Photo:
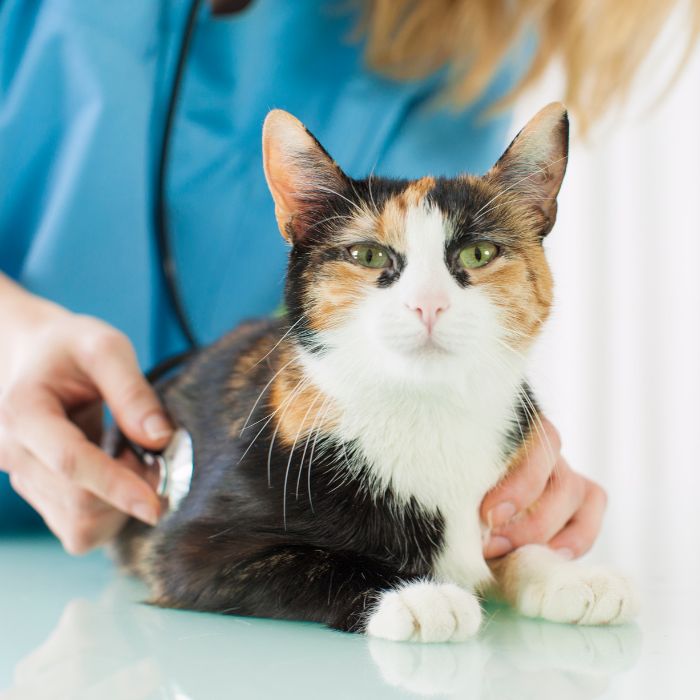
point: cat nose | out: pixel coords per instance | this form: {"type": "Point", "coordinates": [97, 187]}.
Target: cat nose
{"type": "Point", "coordinates": [429, 308]}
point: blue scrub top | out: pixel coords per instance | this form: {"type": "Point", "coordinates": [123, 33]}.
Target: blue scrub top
{"type": "Point", "coordinates": [83, 92]}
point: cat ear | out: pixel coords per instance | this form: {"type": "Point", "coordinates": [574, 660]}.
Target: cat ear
{"type": "Point", "coordinates": [299, 173]}
{"type": "Point", "coordinates": [534, 164]}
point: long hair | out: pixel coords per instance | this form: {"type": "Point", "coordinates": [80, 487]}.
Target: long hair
{"type": "Point", "coordinates": [600, 43]}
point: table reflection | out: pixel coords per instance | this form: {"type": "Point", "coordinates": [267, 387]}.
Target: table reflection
{"type": "Point", "coordinates": [116, 647]}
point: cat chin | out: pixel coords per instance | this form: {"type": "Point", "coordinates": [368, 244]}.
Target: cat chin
{"type": "Point", "coordinates": [419, 356]}
{"type": "Point", "coordinates": [429, 367]}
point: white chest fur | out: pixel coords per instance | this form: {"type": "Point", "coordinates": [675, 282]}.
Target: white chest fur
{"type": "Point", "coordinates": [442, 448]}
{"type": "Point", "coordinates": [443, 456]}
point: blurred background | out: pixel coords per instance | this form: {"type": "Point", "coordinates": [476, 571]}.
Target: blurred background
{"type": "Point", "coordinates": [618, 367]}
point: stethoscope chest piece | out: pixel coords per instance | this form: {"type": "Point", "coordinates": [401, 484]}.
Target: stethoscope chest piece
{"type": "Point", "coordinates": [175, 466]}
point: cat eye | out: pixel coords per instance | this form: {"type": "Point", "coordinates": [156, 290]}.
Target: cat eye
{"type": "Point", "coordinates": [369, 256]}
{"type": "Point", "coordinates": [478, 254]}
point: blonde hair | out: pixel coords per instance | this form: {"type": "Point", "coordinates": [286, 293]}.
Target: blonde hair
{"type": "Point", "coordinates": [600, 43]}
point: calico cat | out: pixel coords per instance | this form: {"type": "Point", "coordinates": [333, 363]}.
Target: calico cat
{"type": "Point", "coordinates": [341, 453]}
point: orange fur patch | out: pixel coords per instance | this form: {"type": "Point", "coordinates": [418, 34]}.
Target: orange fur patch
{"type": "Point", "coordinates": [522, 290]}
{"type": "Point", "coordinates": [391, 225]}
{"type": "Point", "coordinates": [522, 286]}
{"type": "Point", "coordinates": [301, 409]}
{"type": "Point", "coordinates": [333, 294]}
{"type": "Point", "coordinates": [417, 190]}
{"type": "Point", "coordinates": [246, 362]}
{"type": "Point", "coordinates": [256, 358]}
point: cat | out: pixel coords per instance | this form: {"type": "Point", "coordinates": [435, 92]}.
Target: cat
{"type": "Point", "coordinates": [341, 452]}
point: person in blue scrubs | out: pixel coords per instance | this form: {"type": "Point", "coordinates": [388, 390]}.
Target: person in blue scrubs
{"type": "Point", "coordinates": [84, 88]}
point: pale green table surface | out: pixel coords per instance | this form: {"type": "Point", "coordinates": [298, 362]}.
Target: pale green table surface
{"type": "Point", "coordinates": [73, 628]}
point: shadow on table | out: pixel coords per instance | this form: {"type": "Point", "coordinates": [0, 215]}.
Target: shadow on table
{"type": "Point", "coordinates": [115, 647]}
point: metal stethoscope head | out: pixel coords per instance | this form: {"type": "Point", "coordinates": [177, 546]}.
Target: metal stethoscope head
{"type": "Point", "coordinates": [175, 465]}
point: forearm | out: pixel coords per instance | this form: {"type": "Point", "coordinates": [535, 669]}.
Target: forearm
{"type": "Point", "coordinates": [20, 312]}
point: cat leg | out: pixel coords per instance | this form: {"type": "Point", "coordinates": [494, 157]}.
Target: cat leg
{"type": "Point", "coordinates": [289, 582]}
{"type": "Point", "coordinates": [539, 583]}
{"type": "Point", "coordinates": [346, 592]}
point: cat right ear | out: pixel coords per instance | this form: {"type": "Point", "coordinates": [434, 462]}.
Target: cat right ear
{"type": "Point", "coordinates": [534, 164]}
{"type": "Point", "coordinates": [299, 173]}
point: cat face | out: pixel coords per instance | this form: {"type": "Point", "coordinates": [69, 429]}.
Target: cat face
{"type": "Point", "coordinates": [425, 277]}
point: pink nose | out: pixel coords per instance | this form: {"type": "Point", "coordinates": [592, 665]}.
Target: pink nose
{"type": "Point", "coordinates": [428, 309]}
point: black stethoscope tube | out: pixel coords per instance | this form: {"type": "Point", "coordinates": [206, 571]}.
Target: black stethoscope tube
{"type": "Point", "coordinates": [160, 215]}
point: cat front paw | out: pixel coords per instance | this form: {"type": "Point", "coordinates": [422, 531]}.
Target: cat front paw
{"type": "Point", "coordinates": [580, 595]}
{"type": "Point", "coordinates": [425, 612]}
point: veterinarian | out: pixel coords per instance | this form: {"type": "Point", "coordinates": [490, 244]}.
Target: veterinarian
{"type": "Point", "coordinates": [135, 220]}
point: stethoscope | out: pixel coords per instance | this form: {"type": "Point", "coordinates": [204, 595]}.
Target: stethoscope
{"type": "Point", "coordinates": [160, 214]}
{"type": "Point", "coordinates": [175, 463]}
{"type": "Point", "coordinates": [168, 266]}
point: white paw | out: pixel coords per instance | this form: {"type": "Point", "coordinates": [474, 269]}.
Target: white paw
{"type": "Point", "coordinates": [425, 612]}
{"type": "Point", "coordinates": [578, 595]}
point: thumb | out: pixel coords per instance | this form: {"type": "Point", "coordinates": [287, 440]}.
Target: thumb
{"type": "Point", "coordinates": [131, 399]}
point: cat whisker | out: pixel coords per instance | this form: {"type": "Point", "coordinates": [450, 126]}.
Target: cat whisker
{"type": "Point", "coordinates": [327, 219]}
{"type": "Point", "coordinates": [265, 388]}
{"type": "Point", "coordinates": [328, 190]}
{"type": "Point", "coordinates": [301, 385]}
{"type": "Point", "coordinates": [267, 421]}
{"type": "Point", "coordinates": [291, 456]}
{"type": "Point", "coordinates": [311, 456]}
{"type": "Point", "coordinates": [267, 417]}
{"type": "Point", "coordinates": [369, 187]}
{"type": "Point", "coordinates": [516, 387]}
{"type": "Point", "coordinates": [510, 202]}
{"type": "Point", "coordinates": [514, 332]}
{"type": "Point", "coordinates": [308, 440]}
{"type": "Point", "coordinates": [530, 410]}
{"type": "Point", "coordinates": [277, 344]}
{"type": "Point", "coordinates": [539, 427]}
{"type": "Point", "coordinates": [539, 430]}
{"type": "Point", "coordinates": [528, 416]}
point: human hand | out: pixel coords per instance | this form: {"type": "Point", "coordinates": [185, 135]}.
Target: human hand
{"type": "Point", "coordinates": [61, 367]}
{"type": "Point", "coordinates": [543, 501]}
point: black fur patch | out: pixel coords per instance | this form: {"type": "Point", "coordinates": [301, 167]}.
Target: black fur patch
{"type": "Point", "coordinates": [526, 412]}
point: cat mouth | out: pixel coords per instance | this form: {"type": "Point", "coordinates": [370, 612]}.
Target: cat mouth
{"type": "Point", "coordinates": [430, 347]}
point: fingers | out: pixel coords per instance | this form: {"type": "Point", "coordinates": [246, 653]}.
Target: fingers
{"type": "Point", "coordinates": [150, 475]}
{"type": "Point", "coordinates": [65, 367]}
{"type": "Point", "coordinates": [40, 425]}
{"type": "Point", "coordinates": [562, 498]}
{"type": "Point", "coordinates": [79, 520]}
{"type": "Point", "coordinates": [108, 358]}
{"type": "Point", "coordinates": [543, 501]}
{"type": "Point", "coordinates": [582, 530]}
{"type": "Point", "coordinates": [527, 480]}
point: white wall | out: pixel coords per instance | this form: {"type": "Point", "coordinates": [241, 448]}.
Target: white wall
{"type": "Point", "coordinates": [618, 368]}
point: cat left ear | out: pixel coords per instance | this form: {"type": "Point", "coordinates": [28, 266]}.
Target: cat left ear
{"type": "Point", "coordinates": [534, 164]}
{"type": "Point", "coordinates": [299, 173]}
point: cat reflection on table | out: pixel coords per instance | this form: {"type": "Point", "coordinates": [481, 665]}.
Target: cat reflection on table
{"type": "Point", "coordinates": [341, 452]}
{"type": "Point", "coordinates": [108, 647]}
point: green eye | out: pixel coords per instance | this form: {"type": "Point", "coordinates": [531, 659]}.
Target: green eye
{"type": "Point", "coordinates": [477, 254]}
{"type": "Point", "coordinates": [369, 256]}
